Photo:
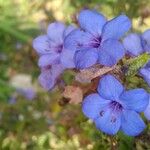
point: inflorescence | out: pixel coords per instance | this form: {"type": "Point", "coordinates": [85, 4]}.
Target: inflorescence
{"type": "Point", "coordinates": [96, 40]}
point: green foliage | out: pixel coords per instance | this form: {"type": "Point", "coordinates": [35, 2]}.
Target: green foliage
{"type": "Point", "coordinates": [68, 77]}
{"type": "Point", "coordinates": [134, 64]}
{"type": "Point", "coordinates": [125, 142]}
{"type": "Point", "coordinates": [131, 68]}
{"type": "Point", "coordinates": [5, 89]}
{"type": "Point", "coordinates": [130, 7]}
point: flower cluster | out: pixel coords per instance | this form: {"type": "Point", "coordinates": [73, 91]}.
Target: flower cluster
{"type": "Point", "coordinates": [50, 48]}
{"type": "Point", "coordinates": [97, 40]}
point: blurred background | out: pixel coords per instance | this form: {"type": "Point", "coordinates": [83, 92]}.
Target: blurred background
{"type": "Point", "coordinates": [31, 118]}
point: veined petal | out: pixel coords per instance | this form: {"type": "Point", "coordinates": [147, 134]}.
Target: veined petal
{"type": "Point", "coordinates": [57, 69]}
{"type": "Point", "coordinates": [93, 26]}
{"type": "Point", "coordinates": [55, 32]}
{"type": "Point", "coordinates": [147, 110]}
{"type": "Point", "coordinates": [85, 58]}
{"type": "Point", "coordinates": [116, 27]}
{"type": "Point", "coordinates": [148, 64]}
{"type": "Point", "coordinates": [49, 76]}
{"type": "Point", "coordinates": [46, 80]}
{"type": "Point", "coordinates": [77, 39]}
{"type": "Point", "coordinates": [136, 99]}
{"type": "Point", "coordinates": [146, 38]}
{"type": "Point", "coordinates": [110, 88]}
{"type": "Point", "coordinates": [108, 122]}
{"type": "Point", "coordinates": [133, 45]}
{"type": "Point", "coordinates": [68, 30]}
{"type": "Point", "coordinates": [145, 73]}
{"type": "Point", "coordinates": [93, 105]}
{"type": "Point", "coordinates": [49, 59]}
{"type": "Point", "coordinates": [43, 45]}
{"type": "Point", "coordinates": [110, 52]}
{"type": "Point", "coordinates": [132, 124]}
{"type": "Point", "coordinates": [67, 58]}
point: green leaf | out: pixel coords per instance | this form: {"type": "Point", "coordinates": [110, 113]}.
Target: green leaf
{"type": "Point", "coordinates": [134, 64]}
{"type": "Point", "coordinates": [17, 34]}
{"type": "Point", "coordinates": [125, 142]}
{"type": "Point", "coordinates": [68, 77]}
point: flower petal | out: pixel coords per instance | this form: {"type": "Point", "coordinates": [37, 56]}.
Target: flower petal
{"type": "Point", "coordinates": [29, 93]}
{"type": "Point", "coordinates": [148, 64]}
{"type": "Point", "coordinates": [92, 105]}
{"type": "Point", "coordinates": [43, 45]}
{"type": "Point", "coordinates": [48, 77]}
{"type": "Point", "coordinates": [95, 26]}
{"type": "Point", "coordinates": [46, 60]}
{"type": "Point", "coordinates": [68, 30]}
{"type": "Point", "coordinates": [55, 32]}
{"type": "Point", "coordinates": [146, 38]}
{"type": "Point", "coordinates": [77, 39]}
{"type": "Point", "coordinates": [108, 122]}
{"type": "Point", "coordinates": [110, 88]}
{"type": "Point", "coordinates": [46, 80]}
{"type": "Point", "coordinates": [147, 110]}
{"type": "Point", "coordinates": [145, 73]}
{"type": "Point", "coordinates": [67, 58]}
{"type": "Point", "coordinates": [133, 45]}
{"type": "Point", "coordinates": [110, 52]}
{"type": "Point", "coordinates": [136, 99]}
{"type": "Point", "coordinates": [132, 124]}
{"type": "Point", "coordinates": [116, 27]}
{"type": "Point", "coordinates": [85, 58]}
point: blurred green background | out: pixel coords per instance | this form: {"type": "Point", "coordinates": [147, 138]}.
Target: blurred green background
{"type": "Point", "coordinates": [31, 118]}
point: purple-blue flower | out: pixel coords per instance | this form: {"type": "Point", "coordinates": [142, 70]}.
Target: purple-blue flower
{"type": "Point", "coordinates": [97, 40]}
{"type": "Point", "coordinates": [136, 44]}
{"type": "Point", "coordinates": [28, 93]}
{"type": "Point", "coordinates": [147, 110]}
{"type": "Point", "coordinates": [49, 75]}
{"type": "Point", "coordinates": [50, 48]}
{"type": "Point", "coordinates": [113, 108]}
{"type": "Point", "coordinates": [145, 73]}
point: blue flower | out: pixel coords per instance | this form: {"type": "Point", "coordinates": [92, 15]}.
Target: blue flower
{"type": "Point", "coordinates": [147, 110]}
{"type": "Point", "coordinates": [145, 73]}
{"type": "Point", "coordinates": [28, 93]}
{"type": "Point", "coordinates": [49, 75]}
{"type": "Point", "coordinates": [50, 48]}
{"type": "Point", "coordinates": [97, 40]}
{"type": "Point", "coordinates": [135, 45]}
{"type": "Point", "coordinates": [113, 109]}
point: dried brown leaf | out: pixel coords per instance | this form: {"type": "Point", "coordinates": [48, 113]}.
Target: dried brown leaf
{"type": "Point", "coordinates": [73, 93]}
{"type": "Point", "coordinates": [86, 75]}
